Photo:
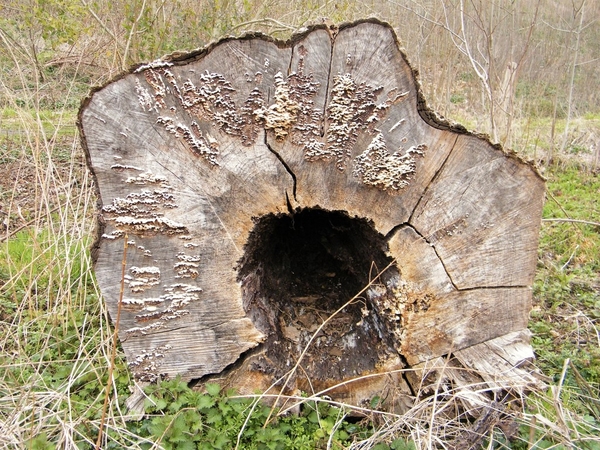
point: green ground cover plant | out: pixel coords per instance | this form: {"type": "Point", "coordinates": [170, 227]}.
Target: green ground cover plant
{"type": "Point", "coordinates": [179, 417]}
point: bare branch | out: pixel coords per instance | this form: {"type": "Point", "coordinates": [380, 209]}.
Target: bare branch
{"type": "Point", "coordinates": [585, 222]}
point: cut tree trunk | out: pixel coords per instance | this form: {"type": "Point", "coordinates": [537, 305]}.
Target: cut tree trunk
{"type": "Point", "coordinates": [298, 220]}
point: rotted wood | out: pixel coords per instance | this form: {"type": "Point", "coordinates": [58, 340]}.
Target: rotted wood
{"type": "Point", "coordinates": [262, 185]}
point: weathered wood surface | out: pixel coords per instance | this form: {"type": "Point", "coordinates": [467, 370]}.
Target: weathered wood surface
{"type": "Point", "coordinates": [322, 146]}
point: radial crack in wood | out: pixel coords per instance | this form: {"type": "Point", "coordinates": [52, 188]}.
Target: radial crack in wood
{"type": "Point", "coordinates": [295, 205]}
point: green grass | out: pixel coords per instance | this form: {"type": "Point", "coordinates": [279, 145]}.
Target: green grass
{"type": "Point", "coordinates": [35, 267]}
{"type": "Point", "coordinates": [55, 334]}
{"type": "Point", "coordinates": [52, 122]}
{"type": "Point", "coordinates": [566, 314]}
{"type": "Point", "coordinates": [54, 331]}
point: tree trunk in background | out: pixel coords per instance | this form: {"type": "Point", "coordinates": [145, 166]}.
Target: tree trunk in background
{"type": "Point", "coordinates": [299, 220]}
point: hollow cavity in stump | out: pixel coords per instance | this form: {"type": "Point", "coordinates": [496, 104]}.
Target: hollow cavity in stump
{"type": "Point", "coordinates": [297, 271]}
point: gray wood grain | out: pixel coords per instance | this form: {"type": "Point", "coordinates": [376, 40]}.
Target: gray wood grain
{"type": "Point", "coordinates": [190, 151]}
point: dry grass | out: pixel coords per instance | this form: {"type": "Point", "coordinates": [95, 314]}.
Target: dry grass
{"type": "Point", "coordinates": [55, 334]}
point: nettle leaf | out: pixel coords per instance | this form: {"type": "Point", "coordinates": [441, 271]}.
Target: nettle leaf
{"type": "Point", "coordinates": [238, 405]}
{"type": "Point", "coordinates": [149, 405]}
{"type": "Point", "coordinates": [191, 398]}
{"type": "Point", "coordinates": [178, 427]}
{"type": "Point", "coordinates": [380, 446]}
{"type": "Point", "coordinates": [401, 444]}
{"type": "Point", "coordinates": [327, 424]}
{"type": "Point", "coordinates": [375, 401]}
{"type": "Point", "coordinates": [225, 407]}
{"type": "Point", "coordinates": [193, 420]}
{"type": "Point", "coordinates": [341, 435]}
{"type": "Point", "coordinates": [186, 445]}
{"type": "Point", "coordinates": [284, 427]}
{"type": "Point", "coordinates": [213, 416]}
{"type": "Point", "coordinates": [213, 389]}
{"type": "Point", "coordinates": [41, 442]}
{"type": "Point", "coordinates": [159, 404]}
{"type": "Point", "coordinates": [159, 425]}
{"type": "Point", "coordinates": [205, 402]}
{"type": "Point", "coordinates": [221, 440]}
{"type": "Point", "coordinates": [175, 406]}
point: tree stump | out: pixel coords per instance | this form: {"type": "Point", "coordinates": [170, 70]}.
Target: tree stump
{"type": "Point", "coordinates": [295, 205]}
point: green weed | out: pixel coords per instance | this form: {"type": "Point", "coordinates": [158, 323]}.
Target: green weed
{"type": "Point", "coordinates": [179, 417]}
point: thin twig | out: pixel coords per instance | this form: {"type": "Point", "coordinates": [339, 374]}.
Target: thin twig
{"type": "Point", "coordinates": [263, 21]}
{"type": "Point", "coordinates": [564, 266]}
{"type": "Point", "coordinates": [585, 222]}
{"type": "Point", "coordinates": [99, 20]}
{"type": "Point", "coordinates": [131, 32]}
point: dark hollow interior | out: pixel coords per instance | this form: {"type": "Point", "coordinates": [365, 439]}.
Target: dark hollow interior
{"type": "Point", "coordinates": [300, 268]}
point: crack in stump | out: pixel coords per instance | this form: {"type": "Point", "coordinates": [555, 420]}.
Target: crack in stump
{"type": "Point", "coordinates": [287, 168]}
